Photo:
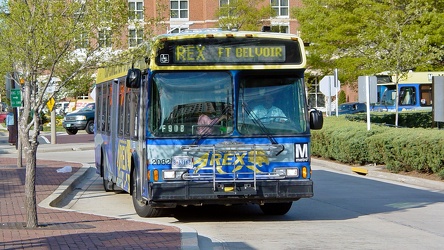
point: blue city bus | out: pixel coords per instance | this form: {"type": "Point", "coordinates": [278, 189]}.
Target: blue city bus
{"type": "Point", "coordinates": [211, 117]}
{"type": "Point", "coordinates": [415, 92]}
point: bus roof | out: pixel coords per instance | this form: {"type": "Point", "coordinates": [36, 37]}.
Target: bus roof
{"type": "Point", "coordinates": [106, 74]}
{"type": "Point", "coordinates": [420, 77]}
{"type": "Point", "coordinates": [412, 78]}
{"type": "Point", "coordinates": [219, 33]}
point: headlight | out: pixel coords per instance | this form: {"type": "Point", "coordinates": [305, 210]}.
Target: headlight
{"type": "Point", "coordinates": [81, 118]}
{"type": "Point", "coordinates": [172, 174]}
{"type": "Point", "coordinates": [169, 174]}
{"type": "Point", "coordinates": [288, 172]}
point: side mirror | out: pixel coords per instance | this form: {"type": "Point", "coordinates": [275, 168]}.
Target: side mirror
{"type": "Point", "coordinates": [316, 119]}
{"type": "Point", "coordinates": [133, 78]}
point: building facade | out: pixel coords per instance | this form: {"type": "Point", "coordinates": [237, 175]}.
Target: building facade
{"type": "Point", "coordinates": [180, 15]}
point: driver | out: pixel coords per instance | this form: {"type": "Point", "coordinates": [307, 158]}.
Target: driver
{"type": "Point", "coordinates": [267, 112]}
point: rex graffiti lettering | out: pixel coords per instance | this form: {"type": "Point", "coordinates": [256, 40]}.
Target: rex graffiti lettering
{"type": "Point", "coordinates": [232, 162]}
{"type": "Point", "coordinates": [123, 164]}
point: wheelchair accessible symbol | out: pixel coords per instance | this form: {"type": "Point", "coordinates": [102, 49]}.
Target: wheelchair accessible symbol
{"type": "Point", "coordinates": [164, 58]}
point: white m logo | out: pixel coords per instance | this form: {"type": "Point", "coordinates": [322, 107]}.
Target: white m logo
{"type": "Point", "coordinates": [301, 152]}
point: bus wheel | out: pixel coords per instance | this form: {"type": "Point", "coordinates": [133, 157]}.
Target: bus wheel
{"type": "Point", "coordinates": [71, 131]}
{"type": "Point", "coordinates": [107, 184]}
{"type": "Point", "coordinates": [143, 209]}
{"type": "Point", "coordinates": [90, 127]}
{"type": "Point", "coordinates": [276, 208]}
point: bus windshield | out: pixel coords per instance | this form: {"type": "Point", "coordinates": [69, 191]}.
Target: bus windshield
{"type": "Point", "coordinates": [179, 99]}
{"type": "Point", "coordinates": [388, 96]}
{"type": "Point", "coordinates": [273, 105]}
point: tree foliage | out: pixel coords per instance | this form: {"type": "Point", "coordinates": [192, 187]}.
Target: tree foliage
{"type": "Point", "coordinates": [244, 14]}
{"type": "Point", "coordinates": [366, 36]}
{"type": "Point", "coordinates": [44, 40]}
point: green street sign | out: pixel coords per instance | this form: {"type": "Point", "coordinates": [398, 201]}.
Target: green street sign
{"type": "Point", "coordinates": [16, 98]}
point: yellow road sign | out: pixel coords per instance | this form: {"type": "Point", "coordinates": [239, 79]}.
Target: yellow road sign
{"type": "Point", "coordinates": [50, 104]}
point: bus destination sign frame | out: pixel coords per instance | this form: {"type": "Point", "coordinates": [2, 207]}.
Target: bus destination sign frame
{"type": "Point", "coordinates": [249, 51]}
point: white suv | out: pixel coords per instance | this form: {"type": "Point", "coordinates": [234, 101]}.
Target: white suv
{"type": "Point", "coordinates": [61, 108]}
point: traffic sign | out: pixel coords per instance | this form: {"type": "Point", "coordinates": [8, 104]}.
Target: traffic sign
{"type": "Point", "coordinates": [16, 98]}
{"type": "Point", "coordinates": [50, 104]}
{"type": "Point", "coordinates": [327, 86]}
{"type": "Point", "coordinates": [372, 88]}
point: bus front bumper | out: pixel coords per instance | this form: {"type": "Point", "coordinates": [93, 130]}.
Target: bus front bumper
{"type": "Point", "coordinates": [199, 193]}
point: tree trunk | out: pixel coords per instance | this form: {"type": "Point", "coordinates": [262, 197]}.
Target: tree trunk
{"type": "Point", "coordinates": [29, 147]}
{"type": "Point", "coordinates": [30, 192]}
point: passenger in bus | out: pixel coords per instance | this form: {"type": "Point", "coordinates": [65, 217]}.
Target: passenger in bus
{"type": "Point", "coordinates": [267, 112]}
{"type": "Point", "coordinates": [206, 124]}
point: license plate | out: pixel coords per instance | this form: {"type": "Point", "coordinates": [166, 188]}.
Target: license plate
{"type": "Point", "coordinates": [181, 161]}
{"type": "Point", "coordinates": [68, 125]}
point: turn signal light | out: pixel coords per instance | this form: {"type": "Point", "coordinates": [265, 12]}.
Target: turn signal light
{"type": "Point", "coordinates": [156, 175]}
{"type": "Point", "coordinates": [304, 172]}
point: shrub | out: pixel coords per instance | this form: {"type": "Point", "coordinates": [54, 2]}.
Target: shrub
{"type": "Point", "coordinates": [409, 119]}
{"type": "Point", "coordinates": [400, 149]}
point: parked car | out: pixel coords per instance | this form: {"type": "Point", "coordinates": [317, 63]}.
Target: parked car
{"type": "Point", "coordinates": [61, 108]}
{"type": "Point", "coordinates": [352, 108]}
{"type": "Point", "coordinates": [3, 117]}
{"type": "Point", "coordinates": [3, 112]}
{"type": "Point", "coordinates": [82, 119]}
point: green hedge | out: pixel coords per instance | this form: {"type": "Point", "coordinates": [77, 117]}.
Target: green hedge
{"type": "Point", "coordinates": [409, 119]}
{"type": "Point", "coordinates": [400, 149]}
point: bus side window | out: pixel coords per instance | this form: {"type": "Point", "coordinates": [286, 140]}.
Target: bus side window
{"type": "Point", "coordinates": [407, 96]}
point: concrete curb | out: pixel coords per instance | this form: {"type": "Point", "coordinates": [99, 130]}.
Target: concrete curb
{"type": "Point", "coordinates": [66, 187]}
{"type": "Point", "coordinates": [375, 172]}
{"type": "Point", "coordinates": [189, 236]}
{"type": "Point", "coordinates": [45, 148]}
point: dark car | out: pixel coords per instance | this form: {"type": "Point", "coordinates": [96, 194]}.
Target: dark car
{"type": "Point", "coordinates": [79, 120]}
{"type": "Point", "coordinates": [352, 108]}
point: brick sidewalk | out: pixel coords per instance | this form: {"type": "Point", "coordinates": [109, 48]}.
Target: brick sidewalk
{"type": "Point", "coordinates": [65, 229]}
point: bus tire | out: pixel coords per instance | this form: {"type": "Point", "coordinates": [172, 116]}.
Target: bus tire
{"type": "Point", "coordinates": [71, 131]}
{"type": "Point", "coordinates": [143, 209]}
{"type": "Point", "coordinates": [276, 208]}
{"type": "Point", "coordinates": [108, 186]}
{"type": "Point", "coordinates": [90, 127]}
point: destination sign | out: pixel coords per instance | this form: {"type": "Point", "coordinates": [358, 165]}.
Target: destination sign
{"type": "Point", "coordinates": [210, 53]}
{"type": "Point", "coordinates": [229, 51]}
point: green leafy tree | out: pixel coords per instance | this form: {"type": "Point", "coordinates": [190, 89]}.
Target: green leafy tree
{"type": "Point", "coordinates": [366, 37]}
{"type": "Point", "coordinates": [40, 40]}
{"type": "Point", "coordinates": [244, 14]}
{"type": "Point", "coordinates": [79, 85]}
{"type": "Point", "coordinates": [342, 97]}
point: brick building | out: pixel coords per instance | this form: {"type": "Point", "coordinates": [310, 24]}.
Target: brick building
{"type": "Point", "coordinates": [200, 14]}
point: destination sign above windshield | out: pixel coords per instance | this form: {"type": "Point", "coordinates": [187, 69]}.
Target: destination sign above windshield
{"type": "Point", "coordinates": [229, 51]}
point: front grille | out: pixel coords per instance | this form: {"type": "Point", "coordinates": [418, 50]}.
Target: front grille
{"type": "Point", "coordinates": [70, 118]}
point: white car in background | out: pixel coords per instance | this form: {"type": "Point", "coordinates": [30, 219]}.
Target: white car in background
{"type": "Point", "coordinates": [61, 108]}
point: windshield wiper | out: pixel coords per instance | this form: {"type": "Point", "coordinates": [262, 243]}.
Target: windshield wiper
{"type": "Point", "coordinates": [261, 125]}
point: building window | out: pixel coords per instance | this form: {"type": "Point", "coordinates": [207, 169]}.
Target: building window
{"type": "Point", "coordinates": [179, 9]}
{"type": "Point", "coordinates": [135, 10]}
{"type": "Point", "coordinates": [104, 38]}
{"type": "Point", "coordinates": [280, 7]}
{"type": "Point", "coordinates": [226, 9]}
{"type": "Point", "coordinates": [279, 28]}
{"type": "Point", "coordinates": [82, 41]}
{"type": "Point", "coordinates": [135, 37]}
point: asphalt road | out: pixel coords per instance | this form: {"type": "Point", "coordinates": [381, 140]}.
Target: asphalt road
{"type": "Point", "coordinates": [347, 211]}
